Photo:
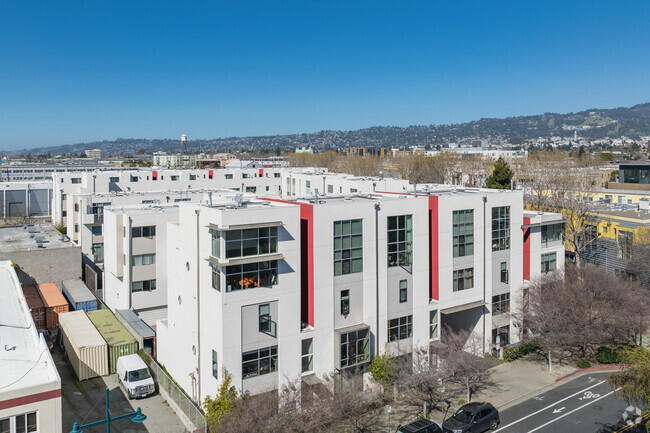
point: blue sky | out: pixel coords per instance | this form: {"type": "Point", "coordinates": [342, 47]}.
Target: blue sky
{"type": "Point", "coordinates": [98, 70]}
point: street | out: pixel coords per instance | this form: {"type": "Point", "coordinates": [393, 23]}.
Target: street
{"type": "Point", "coordinates": [586, 404]}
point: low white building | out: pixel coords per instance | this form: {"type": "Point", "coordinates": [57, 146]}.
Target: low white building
{"type": "Point", "coordinates": [30, 386]}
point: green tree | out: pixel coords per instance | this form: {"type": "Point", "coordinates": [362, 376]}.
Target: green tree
{"type": "Point", "coordinates": [384, 368]}
{"type": "Point", "coordinates": [634, 380]}
{"type": "Point", "coordinates": [224, 402]}
{"type": "Point", "coordinates": [501, 175]}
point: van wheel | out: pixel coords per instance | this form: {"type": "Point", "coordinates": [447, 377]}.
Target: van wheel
{"type": "Point", "coordinates": [494, 424]}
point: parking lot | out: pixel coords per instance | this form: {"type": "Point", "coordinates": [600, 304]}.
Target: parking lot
{"type": "Point", "coordinates": [84, 402]}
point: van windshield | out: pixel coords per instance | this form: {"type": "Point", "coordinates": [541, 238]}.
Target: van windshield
{"type": "Point", "coordinates": [137, 375]}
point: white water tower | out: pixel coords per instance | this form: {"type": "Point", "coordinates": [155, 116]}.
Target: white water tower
{"type": "Point", "coordinates": [183, 143]}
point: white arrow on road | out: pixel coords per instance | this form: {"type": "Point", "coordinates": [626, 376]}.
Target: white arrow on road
{"type": "Point", "coordinates": [559, 410]}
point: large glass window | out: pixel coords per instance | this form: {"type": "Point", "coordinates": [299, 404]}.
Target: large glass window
{"type": "Point", "coordinates": [307, 355]}
{"type": "Point", "coordinates": [500, 304]}
{"type": "Point", "coordinates": [400, 240]}
{"type": "Point", "coordinates": [551, 233]}
{"type": "Point", "coordinates": [463, 279]}
{"type": "Point", "coordinates": [355, 348]}
{"type": "Point", "coordinates": [24, 423]}
{"type": "Point", "coordinates": [463, 221]}
{"type": "Point", "coordinates": [258, 362]}
{"type": "Point", "coordinates": [251, 275]}
{"type": "Point", "coordinates": [549, 262]}
{"type": "Point", "coordinates": [251, 242]}
{"type": "Point", "coordinates": [143, 259]}
{"type": "Point", "coordinates": [348, 247]}
{"type": "Point", "coordinates": [143, 286]}
{"type": "Point", "coordinates": [98, 252]}
{"type": "Point", "coordinates": [400, 328]}
{"type": "Point", "coordinates": [97, 230]}
{"type": "Point", "coordinates": [500, 228]}
{"type": "Point", "coordinates": [143, 232]}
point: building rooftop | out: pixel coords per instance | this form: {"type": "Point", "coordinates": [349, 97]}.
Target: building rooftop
{"type": "Point", "coordinates": [29, 237]}
{"type": "Point", "coordinates": [145, 209]}
{"type": "Point", "coordinates": [24, 356]}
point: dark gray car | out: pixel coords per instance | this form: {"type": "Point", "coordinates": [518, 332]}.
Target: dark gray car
{"type": "Point", "coordinates": [472, 418]}
{"type": "Point", "coordinates": [419, 426]}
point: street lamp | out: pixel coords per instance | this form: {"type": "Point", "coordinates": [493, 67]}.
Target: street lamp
{"type": "Point", "coordinates": [136, 416]}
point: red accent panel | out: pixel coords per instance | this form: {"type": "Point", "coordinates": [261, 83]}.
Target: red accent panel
{"type": "Point", "coordinates": [28, 399]}
{"type": "Point", "coordinates": [306, 261]}
{"type": "Point", "coordinates": [434, 278]}
{"type": "Point", "coordinates": [154, 175]}
{"type": "Point", "coordinates": [527, 250]}
{"type": "Point", "coordinates": [210, 174]}
{"type": "Point", "coordinates": [261, 172]}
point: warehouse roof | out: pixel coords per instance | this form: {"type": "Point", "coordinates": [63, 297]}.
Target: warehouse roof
{"type": "Point", "coordinates": [28, 237]}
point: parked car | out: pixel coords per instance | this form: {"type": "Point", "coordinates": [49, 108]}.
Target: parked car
{"type": "Point", "coordinates": [420, 426]}
{"type": "Point", "coordinates": [134, 376]}
{"type": "Point", "coordinates": [46, 337]}
{"type": "Point", "coordinates": [474, 418]}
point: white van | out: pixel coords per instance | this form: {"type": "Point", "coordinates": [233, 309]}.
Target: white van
{"type": "Point", "coordinates": [134, 376]}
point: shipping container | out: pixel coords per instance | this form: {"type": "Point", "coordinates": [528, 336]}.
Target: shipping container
{"type": "Point", "coordinates": [120, 341]}
{"type": "Point", "coordinates": [145, 336]}
{"type": "Point", "coordinates": [79, 296]}
{"type": "Point", "coordinates": [84, 345]}
{"type": "Point", "coordinates": [36, 306]}
{"type": "Point", "coordinates": [55, 303]}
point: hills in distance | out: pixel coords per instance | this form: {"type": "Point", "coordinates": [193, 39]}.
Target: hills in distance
{"type": "Point", "coordinates": [592, 124]}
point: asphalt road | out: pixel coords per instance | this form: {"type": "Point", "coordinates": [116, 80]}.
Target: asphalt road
{"type": "Point", "coordinates": [584, 405]}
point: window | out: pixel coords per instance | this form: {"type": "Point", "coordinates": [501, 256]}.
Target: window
{"type": "Point", "coordinates": [504, 335]}
{"type": "Point", "coordinates": [433, 324]}
{"type": "Point", "coordinates": [251, 242]}
{"type": "Point", "coordinates": [353, 190]}
{"type": "Point", "coordinates": [143, 259]}
{"type": "Point", "coordinates": [245, 175]}
{"type": "Point", "coordinates": [23, 423]}
{"type": "Point", "coordinates": [403, 291]}
{"type": "Point", "coordinates": [176, 200]}
{"type": "Point", "coordinates": [265, 318]}
{"type": "Point", "coordinates": [64, 196]}
{"type": "Point", "coordinates": [76, 207]}
{"type": "Point", "coordinates": [150, 201]}
{"type": "Point", "coordinates": [228, 176]}
{"type": "Point", "coordinates": [276, 174]}
{"type": "Point", "coordinates": [625, 245]}
{"type": "Point", "coordinates": [216, 243]}
{"type": "Point", "coordinates": [251, 275]}
{"type": "Point", "coordinates": [215, 365]}
{"type": "Point", "coordinates": [143, 232]}
{"type": "Point", "coordinates": [549, 262]}
{"type": "Point", "coordinates": [400, 328]}
{"type": "Point", "coordinates": [76, 228]}
{"type": "Point", "coordinates": [500, 228]}
{"type": "Point", "coordinates": [64, 213]}
{"type": "Point", "coordinates": [97, 230]}
{"type": "Point", "coordinates": [348, 247]}
{"type": "Point", "coordinates": [259, 362]}
{"type": "Point", "coordinates": [307, 355]}
{"type": "Point", "coordinates": [463, 222]}
{"type": "Point", "coordinates": [216, 278]}
{"type": "Point", "coordinates": [192, 177]}
{"type": "Point", "coordinates": [345, 302]}
{"type": "Point", "coordinates": [251, 189]}
{"type": "Point", "coordinates": [330, 189]}
{"type": "Point", "coordinates": [355, 347]}
{"type": "Point", "coordinates": [135, 178]}
{"type": "Point", "coordinates": [98, 252]}
{"type": "Point", "coordinates": [114, 179]}
{"type": "Point", "coordinates": [463, 279]}
{"type": "Point", "coordinates": [551, 233]}
{"type": "Point", "coordinates": [500, 304]}
{"type": "Point", "coordinates": [143, 286]}
{"type": "Point", "coordinates": [75, 180]}
{"type": "Point", "coordinates": [308, 186]}
{"type": "Point", "coordinates": [400, 241]}
{"type": "Point", "coordinates": [504, 272]}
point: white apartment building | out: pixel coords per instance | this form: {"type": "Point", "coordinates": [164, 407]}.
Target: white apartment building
{"type": "Point", "coordinates": [301, 182]}
{"type": "Point", "coordinates": [278, 291]}
{"type": "Point", "coordinates": [28, 402]}
{"type": "Point", "coordinates": [174, 161]}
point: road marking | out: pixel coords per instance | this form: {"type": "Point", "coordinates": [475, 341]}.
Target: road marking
{"type": "Point", "coordinates": [574, 410]}
{"type": "Point", "coordinates": [559, 410]}
{"type": "Point", "coordinates": [549, 406]}
{"type": "Point", "coordinates": [587, 395]}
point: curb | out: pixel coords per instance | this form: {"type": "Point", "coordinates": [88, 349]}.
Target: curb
{"type": "Point", "coordinates": [582, 370]}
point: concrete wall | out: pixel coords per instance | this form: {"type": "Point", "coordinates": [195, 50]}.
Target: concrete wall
{"type": "Point", "coordinates": [43, 265]}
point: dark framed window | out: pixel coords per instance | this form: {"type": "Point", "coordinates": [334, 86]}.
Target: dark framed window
{"type": "Point", "coordinates": [463, 279]}
{"type": "Point", "coordinates": [215, 365]}
{"type": "Point", "coordinates": [504, 272]}
{"type": "Point", "coordinates": [400, 328]}
{"type": "Point", "coordinates": [75, 180]}
{"type": "Point", "coordinates": [501, 228]}
{"type": "Point", "coordinates": [500, 304]}
{"type": "Point", "coordinates": [400, 241]}
{"type": "Point", "coordinates": [97, 230]}
{"type": "Point", "coordinates": [307, 355]}
{"type": "Point", "coordinates": [251, 275]}
{"type": "Point", "coordinates": [143, 286]}
{"type": "Point", "coordinates": [216, 243]}
{"type": "Point", "coordinates": [549, 262]}
{"type": "Point", "coordinates": [345, 302]}
{"type": "Point", "coordinates": [251, 242]}
{"type": "Point", "coordinates": [98, 252]}
{"type": "Point", "coordinates": [551, 233]}
{"type": "Point", "coordinates": [463, 232]}
{"type": "Point", "coordinates": [143, 259]}
{"type": "Point", "coordinates": [216, 278]}
{"type": "Point", "coordinates": [348, 247]}
{"type": "Point", "coordinates": [355, 347]}
{"type": "Point", "coordinates": [114, 179]}
{"type": "Point", "coordinates": [264, 318]}
{"type": "Point", "coordinates": [143, 232]}
{"type": "Point", "coordinates": [433, 324]}
{"type": "Point", "coordinates": [403, 291]}
{"type": "Point", "coordinates": [259, 362]}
